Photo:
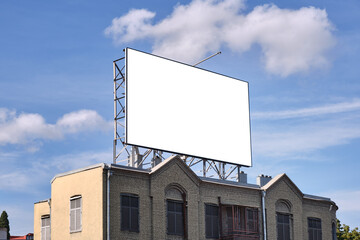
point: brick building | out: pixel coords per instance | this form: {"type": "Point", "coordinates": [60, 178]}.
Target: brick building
{"type": "Point", "coordinates": [109, 201]}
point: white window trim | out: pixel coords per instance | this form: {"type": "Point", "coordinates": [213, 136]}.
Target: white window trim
{"type": "Point", "coordinates": [49, 226]}
{"type": "Point", "coordinates": [74, 198]}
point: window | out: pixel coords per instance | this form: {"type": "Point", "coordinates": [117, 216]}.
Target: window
{"type": "Point", "coordinates": [239, 221]}
{"type": "Point", "coordinates": [283, 226]}
{"type": "Point", "coordinates": [45, 227]}
{"type": "Point", "coordinates": [252, 220]}
{"type": "Point", "coordinates": [129, 212]}
{"type": "Point", "coordinates": [333, 231]}
{"type": "Point", "coordinates": [284, 223]}
{"type": "Point", "coordinates": [314, 228]}
{"type": "Point", "coordinates": [175, 217]}
{"type": "Point", "coordinates": [75, 214]}
{"type": "Point", "coordinates": [212, 221]}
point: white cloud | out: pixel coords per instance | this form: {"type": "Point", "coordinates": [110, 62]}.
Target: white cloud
{"type": "Point", "coordinates": [82, 120]}
{"type": "Point", "coordinates": [293, 140]}
{"type": "Point", "coordinates": [14, 180]}
{"type": "Point", "coordinates": [291, 40]}
{"type": "Point", "coordinates": [305, 130]}
{"type": "Point", "coordinates": [311, 111]}
{"type": "Point", "coordinates": [28, 127]}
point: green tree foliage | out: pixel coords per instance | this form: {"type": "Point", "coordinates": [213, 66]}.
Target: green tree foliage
{"type": "Point", "coordinates": [343, 232]}
{"type": "Point", "coordinates": [4, 223]}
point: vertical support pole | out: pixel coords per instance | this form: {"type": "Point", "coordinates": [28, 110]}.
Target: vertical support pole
{"type": "Point", "coordinates": [204, 168]}
{"type": "Point", "coordinates": [115, 115]}
{"type": "Point", "coordinates": [219, 171]}
{"type": "Point", "coordinates": [238, 173]}
{"type": "Point", "coordinates": [223, 171]}
{"type": "Point", "coordinates": [135, 157]}
{"type": "Point", "coordinates": [132, 157]}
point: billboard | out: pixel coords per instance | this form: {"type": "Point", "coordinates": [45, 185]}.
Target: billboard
{"type": "Point", "coordinates": [174, 107]}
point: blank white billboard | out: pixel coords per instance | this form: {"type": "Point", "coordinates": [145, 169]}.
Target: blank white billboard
{"type": "Point", "coordinates": [182, 109]}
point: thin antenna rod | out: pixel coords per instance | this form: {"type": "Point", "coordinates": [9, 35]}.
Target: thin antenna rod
{"type": "Point", "coordinates": [207, 58]}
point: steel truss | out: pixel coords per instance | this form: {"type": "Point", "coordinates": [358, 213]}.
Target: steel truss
{"type": "Point", "coordinates": [141, 157]}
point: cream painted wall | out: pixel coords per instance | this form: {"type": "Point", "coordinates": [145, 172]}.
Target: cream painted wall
{"type": "Point", "coordinates": [40, 209]}
{"type": "Point", "coordinates": [88, 184]}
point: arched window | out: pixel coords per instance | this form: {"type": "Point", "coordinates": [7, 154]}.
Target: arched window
{"type": "Point", "coordinates": [176, 210]}
{"type": "Point", "coordinates": [283, 219]}
{"type": "Point", "coordinates": [333, 231]}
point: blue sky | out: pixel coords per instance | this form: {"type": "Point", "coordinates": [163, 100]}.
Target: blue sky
{"type": "Point", "coordinates": [301, 59]}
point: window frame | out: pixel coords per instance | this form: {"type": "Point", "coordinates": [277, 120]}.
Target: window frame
{"type": "Point", "coordinates": [214, 220]}
{"type": "Point", "coordinates": [74, 210]}
{"type": "Point", "coordinates": [135, 229]}
{"type": "Point", "coordinates": [289, 215]}
{"type": "Point", "coordinates": [45, 227]}
{"type": "Point", "coordinates": [176, 213]}
{"type": "Point", "coordinates": [313, 231]}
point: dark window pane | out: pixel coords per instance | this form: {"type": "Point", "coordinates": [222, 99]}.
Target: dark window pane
{"type": "Point", "coordinates": [208, 226]}
{"type": "Point", "coordinates": [134, 220]}
{"type": "Point", "coordinates": [134, 202]}
{"type": "Point", "coordinates": [171, 223]}
{"type": "Point", "coordinates": [130, 213]}
{"type": "Point", "coordinates": [179, 224]}
{"type": "Point", "coordinates": [283, 226]}
{"type": "Point", "coordinates": [314, 225]}
{"type": "Point", "coordinates": [125, 218]}
{"type": "Point", "coordinates": [211, 221]}
{"type": "Point", "coordinates": [286, 219]}
{"type": "Point", "coordinates": [287, 232]}
{"type": "Point", "coordinates": [125, 201]}
{"type": "Point", "coordinates": [175, 223]}
{"type": "Point", "coordinates": [280, 232]}
{"type": "Point", "coordinates": [216, 227]}
{"type": "Point", "coordinates": [171, 206]}
{"type": "Point", "coordinates": [208, 210]}
{"type": "Point", "coordinates": [179, 207]}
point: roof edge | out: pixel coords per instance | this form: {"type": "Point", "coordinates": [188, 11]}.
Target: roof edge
{"type": "Point", "coordinates": [229, 183]}
{"type": "Point", "coordinates": [42, 201]}
{"type": "Point", "coordinates": [102, 165]}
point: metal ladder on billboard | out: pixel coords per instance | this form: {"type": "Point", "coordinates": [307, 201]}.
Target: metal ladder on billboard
{"type": "Point", "coordinates": [140, 157]}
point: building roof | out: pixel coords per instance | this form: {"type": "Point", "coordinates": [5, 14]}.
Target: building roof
{"type": "Point", "coordinates": [42, 201]}
{"type": "Point", "coordinates": [21, 237]}
{"type": "Point", "coordinates": [78, 170]}
{"type": "Point", "coordinates": [177, 158]}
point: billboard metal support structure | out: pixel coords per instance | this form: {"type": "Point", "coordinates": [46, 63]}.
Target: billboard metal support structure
{"type": "Point", "coordinates": [133, 155]}
{"type": "Point", "coordinates": [136, 158]}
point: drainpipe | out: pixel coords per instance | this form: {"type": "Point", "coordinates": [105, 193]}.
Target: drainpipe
{"type": "Point", "coordinates": [49, 202]}
{"type": "Point", "coordinates": [108, 203]}
{"type": "Point", "coordinates": [263, 194]}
